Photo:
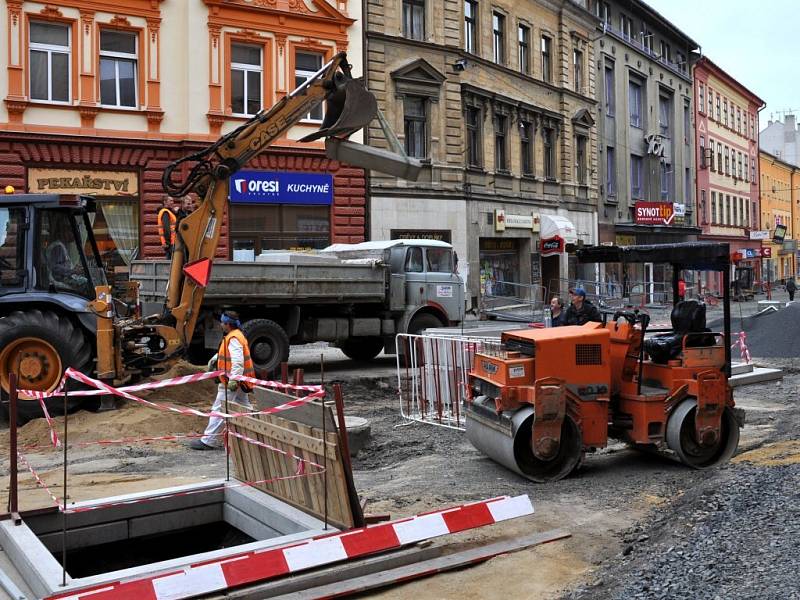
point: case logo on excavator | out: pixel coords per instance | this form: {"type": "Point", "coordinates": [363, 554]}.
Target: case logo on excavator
{"type": "Point", "coordinates": [272, 130]}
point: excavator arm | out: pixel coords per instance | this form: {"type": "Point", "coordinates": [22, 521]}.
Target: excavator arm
{"type": "Point", "coordinates": [141, 344]}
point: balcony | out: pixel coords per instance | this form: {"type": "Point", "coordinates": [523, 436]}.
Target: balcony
{"type": "Point", "coordinates": [637, 45]}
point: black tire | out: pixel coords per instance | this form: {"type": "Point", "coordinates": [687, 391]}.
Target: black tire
{"type": "Point", "coordinates": [362, 348]}
{"type": "Point", "coordinates": [269, 345]}
{"type": "Point", "coordinates": [47, 328]}
{"type": "Point", "coordinates": [422, 322]}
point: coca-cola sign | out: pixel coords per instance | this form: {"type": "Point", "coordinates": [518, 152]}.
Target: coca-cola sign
{"type": "Point", "coordinates": [554, 245]}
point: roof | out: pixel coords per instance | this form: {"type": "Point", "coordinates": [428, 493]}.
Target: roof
{"type": "Point", "coordinates": [714, 69]}
{"type": "Point", "coordinates": [699, 256]}
{"type": "Point", "coordinates": [654, 16]}
{"type": "Point", "coordinates": [383, 245]}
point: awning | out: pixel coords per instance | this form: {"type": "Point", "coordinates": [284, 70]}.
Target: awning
{"type": "Point", "coordinates": [551, 226]}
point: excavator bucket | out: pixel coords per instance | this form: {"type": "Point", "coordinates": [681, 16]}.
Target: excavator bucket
{"type": "Point", "coordinates": [348, 108]}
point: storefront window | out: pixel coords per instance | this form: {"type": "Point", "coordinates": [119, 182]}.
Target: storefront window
{"type": "Point", "coordinates": [499, 260]}
{"type": "Point", "coordinates": [261, 227]}
{"type": "Point", "coordinates": [116, 229]}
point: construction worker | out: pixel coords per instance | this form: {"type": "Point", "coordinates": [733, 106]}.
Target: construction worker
{"type": "Point", "coordinates": [580, 310]}
{"type": "Point", "coordinates": [167, 225]}
{"type": "Point", "coordinates": [233, 357]}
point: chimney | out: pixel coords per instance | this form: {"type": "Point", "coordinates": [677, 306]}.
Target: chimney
{"type": "Point", "coordinates": [789, 123]}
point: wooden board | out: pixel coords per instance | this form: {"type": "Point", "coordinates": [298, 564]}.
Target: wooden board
{"type": "Point", "coordinates": [294, 433]}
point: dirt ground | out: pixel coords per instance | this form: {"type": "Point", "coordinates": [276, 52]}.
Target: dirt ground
{"type": "Point", "coordinates": [413, 468]}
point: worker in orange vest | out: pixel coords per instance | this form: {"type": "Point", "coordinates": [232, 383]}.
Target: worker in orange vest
{"type": "Point", "coordinates": [167, 225]}
{"type": "Point", "coordinates": [233, 357]}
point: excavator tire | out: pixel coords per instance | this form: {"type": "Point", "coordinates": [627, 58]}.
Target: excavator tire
{"type": "Point", "coordinates": [269, 345]}
{"type": "Point", "coordinates": [39, 345]}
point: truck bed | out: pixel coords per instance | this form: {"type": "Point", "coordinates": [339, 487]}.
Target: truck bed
{"type": "Point", "coordinates": [271, 283]}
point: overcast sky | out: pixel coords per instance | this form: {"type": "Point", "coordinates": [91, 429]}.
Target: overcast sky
{"type": "Point", "coordinates": [757, 43]}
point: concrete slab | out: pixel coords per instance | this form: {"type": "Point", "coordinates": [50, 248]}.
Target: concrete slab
{"type": "Point", "coordinates": [741, 368]}
{"type": "Point", "coordinates": [758, 375]}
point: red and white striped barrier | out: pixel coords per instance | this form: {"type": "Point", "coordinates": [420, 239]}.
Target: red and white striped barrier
{"type": "Point", "coordinates": [252, 567]}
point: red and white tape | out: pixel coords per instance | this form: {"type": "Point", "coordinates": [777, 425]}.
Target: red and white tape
{"type": "Point", "coordinates": [243, 569]}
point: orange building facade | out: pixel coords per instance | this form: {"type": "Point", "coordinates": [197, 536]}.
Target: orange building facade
{"type": "Point", "coordinates": [780, 201]}
{"type": "Point", "coordinates": [99, 96]}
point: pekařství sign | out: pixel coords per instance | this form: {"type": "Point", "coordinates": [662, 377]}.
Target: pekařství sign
{"type": "Point", "coordinates": [271, 187]}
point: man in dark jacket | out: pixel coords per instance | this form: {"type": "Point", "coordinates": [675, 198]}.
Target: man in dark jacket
{"type": "Point", "coordinates": [580, 310]}
{"type": "Point", "coordinates": [791, 287]}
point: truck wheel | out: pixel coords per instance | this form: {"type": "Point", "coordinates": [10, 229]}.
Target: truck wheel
{"type": "Point", "coordinates": [422, 322]}
{"type": "Point", "coordinates": [269, 345]}
{"type": "Point", "coordinates": [40, 345]}
{"type": "Point", "coordinates": [362, 348]}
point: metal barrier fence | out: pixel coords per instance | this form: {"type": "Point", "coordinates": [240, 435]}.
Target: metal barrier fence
{"type": "Point", "coordinates": [611, 295]}
{"type": "Point", "coordinates": [515, 301]}
{"type": "Point", "coordinates": [433, 375]}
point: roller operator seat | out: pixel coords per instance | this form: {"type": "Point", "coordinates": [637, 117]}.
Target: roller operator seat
{"type": "Point", "coordinates": [688, 316]}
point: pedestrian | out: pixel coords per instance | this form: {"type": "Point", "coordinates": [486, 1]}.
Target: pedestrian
{"type": "Point", "coordinates": [791, 287]}
{"type": "Point", "coordinates": [167, 225]}
{"type": "Point", "coordinates": [233, 357]}
{"type": "Point", "coordinates": [580, 310]}
{"type": "Point", "coordinates": [557, 312]}
{"type": "Point", "coordinates": [681, 288]}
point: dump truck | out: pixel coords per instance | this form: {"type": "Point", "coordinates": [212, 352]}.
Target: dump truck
{"type": "Point", "coordinates": [57, 309]}
{"type": "Point", "coordinates": [357, 296]}
{"type": "Point", "coordinates": [545, 397]}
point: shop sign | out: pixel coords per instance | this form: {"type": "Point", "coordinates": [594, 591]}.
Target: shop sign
{"type": "Point", "coordinates": [766, 252]}
{"type": "Point", "coordinates": [421, 234]}
{"type": "Point", "coordinates": [655, 213]}
{"type": "Point", "coordinates": [271, 187]}
{"type": "Point", "coordinates": [554, 245]}
{"type": "Point", "coordinates": [759, 235]}
{"type": "Point", "coordinates": [74, 181]}
{"type": "Point", "coordinates": [747, 253]}
{"type": "Point", "coordinates": [498, 244]}
{"type": "Point", "coordinates": [779, 234]}
{"type": "Point", "coordinates": [655, 144]}
{"type": "Point", "coordinates": [624, 240]}
{"type": "Point", "coordinates": [503, 221]}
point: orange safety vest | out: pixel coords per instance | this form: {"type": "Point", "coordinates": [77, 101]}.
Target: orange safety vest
{"type": "Point", "coordinates": [172, 222]}
{"type": "Point", "coordinates": [224, 362]}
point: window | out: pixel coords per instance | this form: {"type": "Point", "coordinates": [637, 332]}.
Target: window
{"type": "Point", "coordinates": [547, 58]}
{"type": "Point", "coordinates": [580, 159]}
{"type": "Point", "coordinates": [727, 162]}
{"type": "Point", "coordinates": [753, 171]}
{"type": "Point", "coordinates": [473, 121]}
{"type": "Point", "coordinates": [666, 181]}
{"type": "Point", "coordinates": [603, 12]}
{"type": "Point", "coordinates": [719, 112]}
{"type": "Point", "coordinates": [414, 260]}
{"type": "Point", "coordinates": [471, 26]}
{"type": "Point", "coordinates": [746, 167]}
{"type": "Point", "coordinates": [610, 91]}
{"type": "Point", "coordinates": [711, 154]}
{"type": "Point", "coordinates": [647, 38]}
{"type": "Point", "coordinates": [260, 227]}
{"type": "Point", "coordinates": [415, 125]}
{"type": "Point", "coordinates": [636, 177]}
{"type": "Point", "coordinates": [753, 127]}
{"type": "Point", "coordinates": [526, 148]}
{"type": "Point", "coordinates": [12, 247]}
{"type": "Point", "coordinates": [500, 134]}
{"type": "Point", "coordinates": [524, 50]}
{"type": "Point", "coordinates": [577, 69]}
{"type": "Point", "coordinates": [611, 171]}
{"type": "Point", "coordinates": [687, 186]}
{"type": "Point", "coordinates": [719, 158]}
{"type": "Point", "coordinates": [414, 19]}
{"type": "Point", "coordinates": [725, 112]}
{"type": "Point", "coordinates": [118, 68]}
{"type": "Point", "coordinates": [665, 54]}
{"type": "Point", "coordinates": [713, 207]}
{"type": "Point", "coordinates": [49, 62]}
{"type": "Point", "coordinates": [703, 204]}
{"type": "Point", "coordinates": [741, 212]}
{"type": "Point", "coordinates": [728, 216]}
{"type": "Point", "coordinates": [246, 79]}
{"type": "Point", "coordinates": [625, 26]}
{"type": "Point", "coordinates": [61, 267]}
{"type": "Point", "coordinates": [738, 120]}
{"type": "Point", "coordinates": [710, 104]}
{"type": "Point", "coordinates": [739, 164]}
{"type": "Point", "coordinates": [499, 38]}
{"type": "Point", "coordinates": [702, 157]}
{"type": "Point", "coordinates": [549, 157]}
{"type": "Point", "coordinates": [701, 98]}
{"type": "Point", "coordinates": [664, 115]}
{"type": "Point", "coordinates": [305, 65]}
{"type": "Point", "coordinates": [440, 260]}
{"type": "Point", "coordinates": [687, 123]}
{"type": "Point", "coordinates": [635, 103]}
{"type": "Point", "coordinates": [680, 61]}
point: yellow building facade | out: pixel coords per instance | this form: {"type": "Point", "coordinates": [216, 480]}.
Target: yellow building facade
{"type": "Point", "coordinates": [780, 208]}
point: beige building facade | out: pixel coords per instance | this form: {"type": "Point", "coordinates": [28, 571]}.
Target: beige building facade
{"type": "Point", "coordinates": [497, 99]}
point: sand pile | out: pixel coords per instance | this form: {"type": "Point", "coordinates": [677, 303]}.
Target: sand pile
{"type": "Point", "coordinates": [769, 335]}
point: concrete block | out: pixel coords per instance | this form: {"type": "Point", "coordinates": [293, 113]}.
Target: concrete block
{"type": "Point", "coordinates": [177, 519]}
{"type": "Point", "coordinates": [758, 375]}
{"type": "Point", "coordinates": [247, 524]}
{"type": "Point", "coordinates": [86, 536]}
{"type": "Point", "coordinates": [272, 512]}
{"type": "Point", "coordinates": [741, 368]}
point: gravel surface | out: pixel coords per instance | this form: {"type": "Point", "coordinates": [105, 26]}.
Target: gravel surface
{"type": "Point", "coordinates": [772, 334]}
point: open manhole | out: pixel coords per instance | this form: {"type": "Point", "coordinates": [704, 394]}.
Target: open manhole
{"type": "Point", "coordinates": [138, 534]}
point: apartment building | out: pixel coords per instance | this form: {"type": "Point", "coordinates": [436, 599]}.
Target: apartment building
{"type": "Point", "coordinates": [100, 95]}
{"type": "Point", "coordinates": [726, 132]}
{"type": "Point", "coordinates": [498, 99]}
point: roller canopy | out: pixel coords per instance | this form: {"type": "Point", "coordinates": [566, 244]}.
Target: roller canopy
{"type": "Point", "coordinates": [697, 256]}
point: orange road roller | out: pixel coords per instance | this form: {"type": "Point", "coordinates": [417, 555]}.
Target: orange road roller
{"type": "Point", "coordinates": [542, 398]}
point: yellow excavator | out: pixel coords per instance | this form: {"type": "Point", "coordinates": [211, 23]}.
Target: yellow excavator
{"type": "Point", "coordinates": [59, 305]}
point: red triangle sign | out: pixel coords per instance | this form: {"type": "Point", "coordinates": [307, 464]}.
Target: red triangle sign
{"type": "Point", "coordinates": [198, 271]}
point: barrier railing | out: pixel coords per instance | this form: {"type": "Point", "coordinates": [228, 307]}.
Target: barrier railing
{"type": "Point", "coordinates": [515, 302]}
{"type": "Point", "coordinates": [433, 375]}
